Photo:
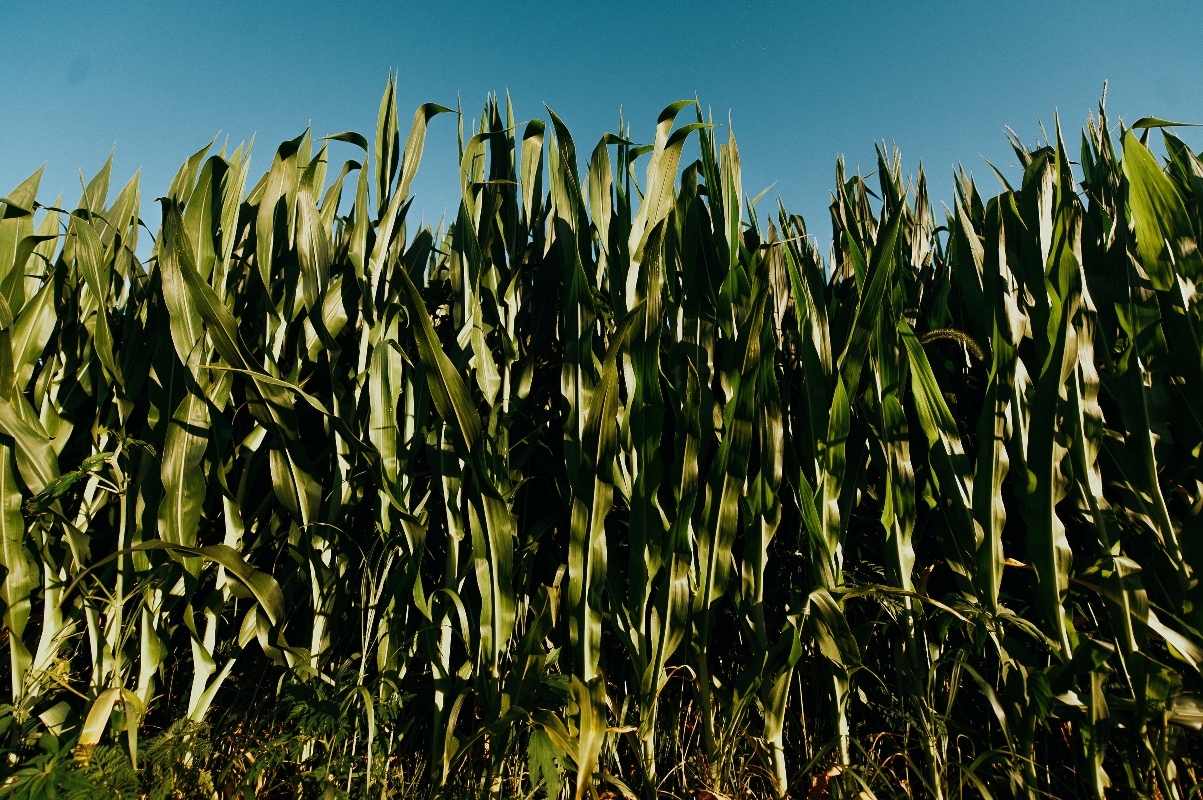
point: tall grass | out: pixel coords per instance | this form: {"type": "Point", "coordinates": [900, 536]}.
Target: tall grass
{"type": "Point", "coordinates": [613, 485]}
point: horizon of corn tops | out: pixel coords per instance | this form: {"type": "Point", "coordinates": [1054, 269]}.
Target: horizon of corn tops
{"type": "Point", "coordinates": [613, 485]}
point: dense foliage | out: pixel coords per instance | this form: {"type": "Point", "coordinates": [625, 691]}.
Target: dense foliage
{"type": "Point", "coordinates": [613, 485]}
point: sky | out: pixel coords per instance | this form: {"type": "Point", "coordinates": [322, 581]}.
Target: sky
{"type": "Point", "coordinates": [804, 83]}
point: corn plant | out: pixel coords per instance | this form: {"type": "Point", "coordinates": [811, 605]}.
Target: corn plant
{"type": "Point", "coordinates": [613, 483]}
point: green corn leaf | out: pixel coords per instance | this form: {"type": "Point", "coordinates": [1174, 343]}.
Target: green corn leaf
{"type": "Point", "coordinates": [199, 214]}
{"type": "Point", "coordinates": [89, 252]}
{"type": "Point", "coordinates": [185, 320]}
{"type": "Point", "coordinates": [447, 389]}
{"type": "Point", "coordinates": [351, 137]}
{"type": "Point", "coordinates": [658, 195]}
{"type": "Point", "coordinates": [532, 168]}
{"type": "Point", "coordinates": [950, 464]}
{"type": "Point", "coordinates": [185, 178]}
{"type": "Point", "coordinates": [835, 637]}
{"type": "Point", "coordinates": [970, 265]}
{"type": "Point", "coordinates": [1156, 122]}
{"type": "Point", "coordinates": [262, 586]}
{"type": "Point", "coordinates": [21, 572]}
{"type": "Point", "coordinates": [387, 147]}
{"type": "Point", "coordinates": [16, 228]}
{"type": "Point", "coordinates": [415, 142]}
{"type": "Point", "coordinates": [32, 331]}
{"type": "Point", "coordinates": [293, 475]}
{"type": "Point", "coordinates": [37, 461]}
{"type": "Point", "coordinates": [1164, 235]}
{"type": "Point", "coordinates": [881, 270]}
{"type": "Point", "coordinates": [274, 208]}
{"type": "Point", "coordinates": [590, 698]}
{"type": "Point", "coordinates": [1049, 551]}
{"type": "Point", "coordinates": [313, 250]}
{"type": "Point", "coordinates": [183, 479]}
{"type": "Point", "coordinates": [357, 249]}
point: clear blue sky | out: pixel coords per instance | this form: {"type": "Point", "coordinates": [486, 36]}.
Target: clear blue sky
{"type": "Point", "coordinates": [804, 82]}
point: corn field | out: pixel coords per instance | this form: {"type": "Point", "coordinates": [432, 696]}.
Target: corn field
{"type": "Point", "coordinates": [613, 485]}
